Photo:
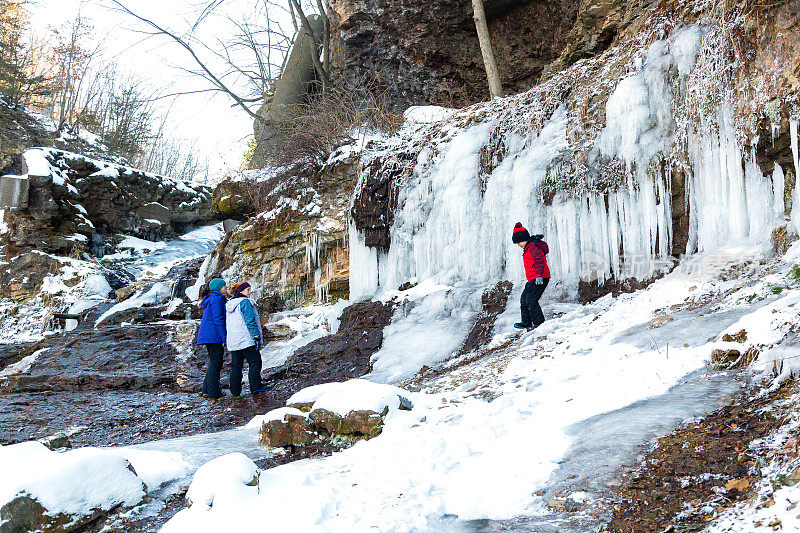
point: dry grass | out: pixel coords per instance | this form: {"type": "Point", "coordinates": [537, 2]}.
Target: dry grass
{"type": "Point", "coordinates": [330, 120]}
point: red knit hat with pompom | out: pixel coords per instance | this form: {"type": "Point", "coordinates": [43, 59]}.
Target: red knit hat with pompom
{"type": "Point", "coordinates": [520, 234]}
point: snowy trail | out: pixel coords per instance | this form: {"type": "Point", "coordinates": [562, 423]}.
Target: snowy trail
{"type": "Point", "coordinates": [491, 441]}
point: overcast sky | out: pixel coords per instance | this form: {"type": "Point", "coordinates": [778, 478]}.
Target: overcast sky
{"type": "Point", "coordinates": [221, 131]}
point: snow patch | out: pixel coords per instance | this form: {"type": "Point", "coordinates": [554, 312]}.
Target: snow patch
{"type": "Point", "coordinates": [74, 482]}
{"type": "Point", "coordinates": [275, 414]}
{"type": "Point", "coordinates": [352, 395]}
{"type": "Point", "coordinates": [222, 481]}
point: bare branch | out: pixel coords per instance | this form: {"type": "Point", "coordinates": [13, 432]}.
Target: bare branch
{"type": "Point", "coordinates": [207, 73]}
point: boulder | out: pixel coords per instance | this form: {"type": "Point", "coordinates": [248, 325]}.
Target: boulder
{"type": "Point", "coordinates": [293, 430]}
{"type": "Point", "coordinates": [356, 407]}
{"type": "Point", "coordinates": [154, 212]}
{"type": "Point", "coordinates": [57, 441]}
{"type": "Point", "coordinates": [61, 492]}
{"type": "Point", "coordinates": [24, 513]}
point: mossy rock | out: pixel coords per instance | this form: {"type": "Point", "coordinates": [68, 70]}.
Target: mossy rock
{"type": "Point", "coordinates": [736, 337]}
{"type": "Point", "coordinates": [782, 238]}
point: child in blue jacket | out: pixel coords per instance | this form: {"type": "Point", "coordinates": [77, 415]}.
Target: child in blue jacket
{"type": "Point", "coordinates": [212, 334]}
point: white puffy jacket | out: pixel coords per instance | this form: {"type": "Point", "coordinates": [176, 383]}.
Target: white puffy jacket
{"type": "Point", "coordinates": [242, 324]}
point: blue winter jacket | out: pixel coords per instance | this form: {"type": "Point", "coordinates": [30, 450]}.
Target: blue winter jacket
{"type": "Point", "coordinates": [212, 326]}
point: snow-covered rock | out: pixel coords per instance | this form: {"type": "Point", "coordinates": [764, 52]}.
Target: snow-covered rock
{"type": "Point", "coordinates": [42, 488]}
{"type": "Point", "coordinates": [276, 414]}
{"type": "Point", "coordinates": [223, 480]}
{"type": "Point", "coordinates": [356, 406]}
{"type": "Point", "coordinates": [352, 395]}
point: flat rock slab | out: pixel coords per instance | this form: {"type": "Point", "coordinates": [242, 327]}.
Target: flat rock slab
{"type": "Point", "coordinates": [122, 357]}
{"type": "Point", "coordinates": [122, 417]}
{"type": "Point", "coordinates": [338, 357]}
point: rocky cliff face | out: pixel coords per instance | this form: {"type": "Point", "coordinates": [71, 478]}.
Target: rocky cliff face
{"type": "Point", "coordinates": [63, 204]}
{"type": "Point", "coordinates": [294, 246]}
{"type": "Point", "coordinates": [575, 56]}
{"type": "Point", "coordinates": [427, 52]}
{"type": "Point", "coordinates": [680, 137]}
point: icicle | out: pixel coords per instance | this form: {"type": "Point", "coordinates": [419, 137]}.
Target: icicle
{"type": "Point", "coordinates": [795, 152]}
{"type": "Point", "coordinates": [451, 226]}
{"type": "Point", "coordinates": [778, 187]}
{"type": "Point", "coordinates": [312, 251]}
{"type": "Point", "coordinates": [796, 194]}
{"type": "Point", "coordinates": [363, 266]}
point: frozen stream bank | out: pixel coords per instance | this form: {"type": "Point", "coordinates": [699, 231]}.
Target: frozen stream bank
{"type": "Point", "coordinates": [489, 443]}
{"type": "Point", "coordinates": [604, 444]}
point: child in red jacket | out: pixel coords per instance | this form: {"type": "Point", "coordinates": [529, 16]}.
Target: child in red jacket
{"type": "Point", "coordinates": [534, 256]}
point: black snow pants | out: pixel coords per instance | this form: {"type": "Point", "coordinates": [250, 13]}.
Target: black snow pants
{"type": "Point", "coordinates": [211, 383]}
{"type": "Point", "coordinates": [529, 302]}
{"type": "Point", "coordinates": [253, 358]}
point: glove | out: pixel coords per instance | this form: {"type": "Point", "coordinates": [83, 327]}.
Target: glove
{"type": "Point", "coordinates": [539, 280]}
{"type": "Point", "coordinates": [258, 344]}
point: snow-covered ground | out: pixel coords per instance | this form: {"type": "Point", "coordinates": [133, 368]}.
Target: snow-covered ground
{"type": "Point", "coordinates": [495, 438]}
{"type": "Point", "coordinates": [153, 259]}
{"type": "Point", "coordinates": [80, 284]}
{"type": "Point", "coordinates": [482, 441]}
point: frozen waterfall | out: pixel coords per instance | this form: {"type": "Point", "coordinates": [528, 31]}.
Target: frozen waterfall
{"type": "Point", "coordinates": [451, 227]}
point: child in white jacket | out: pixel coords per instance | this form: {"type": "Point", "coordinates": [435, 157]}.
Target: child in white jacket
{"type": "Point", "coordinates": [244, 338]}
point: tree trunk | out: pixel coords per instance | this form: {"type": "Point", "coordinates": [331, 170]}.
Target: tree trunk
{"type": "Point", "coordinates": [492, 73]}
{"type": "Point", "coordinates": [306, 25]}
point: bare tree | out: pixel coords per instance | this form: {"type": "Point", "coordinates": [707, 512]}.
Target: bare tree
{"type": "Point", "coordinates": [72, 57]}
{"type": "Point", "coordinates": [204, 70]}
{"type": "Point", "coordinates": [489, 61]}
{"type": "Point", "coordinates": [219, 63]}
{"type": "Point", "coordinates": [167, 154]}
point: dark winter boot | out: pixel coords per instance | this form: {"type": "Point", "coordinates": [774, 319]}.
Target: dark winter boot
{"type": "Point", "coordinates": [526, 327]}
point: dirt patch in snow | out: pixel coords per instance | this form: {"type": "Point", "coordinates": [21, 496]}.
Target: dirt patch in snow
{"type": "Point", "coordinates": [700, 469]}
{"type": "Point", "coordinates": [493, 302]}
{"type": "Point", "coordinates": [338, 357]}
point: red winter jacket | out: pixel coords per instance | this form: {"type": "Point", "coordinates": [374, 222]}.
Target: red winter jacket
{"type": "Point", "coordinates": [535, 259]}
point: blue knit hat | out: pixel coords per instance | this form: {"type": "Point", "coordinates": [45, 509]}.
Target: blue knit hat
{"type": "Point", "coordinates": [216, 284]}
